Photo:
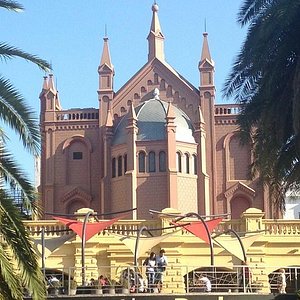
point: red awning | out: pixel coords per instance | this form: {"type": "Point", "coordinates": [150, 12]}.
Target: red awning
{"type": "Point", "coordinates": [198, 228]}
{"type": "Point", "coordinates": [91, 228]}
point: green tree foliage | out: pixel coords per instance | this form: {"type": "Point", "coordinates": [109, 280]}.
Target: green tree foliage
{"type": "Point", "coordinates": [265, 80]}
{"type": "Point", "coordinates": [15, 245]}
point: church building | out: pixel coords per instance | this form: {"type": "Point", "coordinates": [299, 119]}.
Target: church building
{"type": "Point", "coordinates": [158, 142]}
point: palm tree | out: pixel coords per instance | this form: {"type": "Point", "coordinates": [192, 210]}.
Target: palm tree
{"type": "Point", "coordinates": [265, 80]}
{"type": "Point", "coordinates": [14, 238]}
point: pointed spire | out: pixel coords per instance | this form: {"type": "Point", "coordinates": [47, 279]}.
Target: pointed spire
{"type": "Point", "coordinates": [170, 112]}
{"type": "Point", "coordinates": [131, 113]}
{"type": "Point", "coordinates": [155, 37]}
{"type": "Point", "coordinates": [109, 120]}
{"type": "Point", "coordinates": [155, 25]}
{"type": "Point", "coordinates": [200, 123]}
{"type": "Point", "coordinates": [201, 118]}
{"type": "Point", "coordinates": [45, 83]}
{"type": "Point", "coordinates": [205, 49]}
{"type": "Point", "coordinates": [51, 84]}
{"type": "Point", "coordinates": [57, 102]}
{"type": "Point", "coordinates": [105, 58]}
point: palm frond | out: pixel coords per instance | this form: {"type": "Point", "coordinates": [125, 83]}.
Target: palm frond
{"type": "Point", "coordinates": [265, 79]}
{"type": "Point", "coordinates": [10, 285]}
{"type": "Point", "coordinates": [17, 238]}
{"type": "Point", "coordinates": [11, 172]}
{"type": "Point", "coordinates": [252, 9]}
{"type": "Point", "coordinates": [11, 5]}
{"type": "Point", "coordinates": [15, 113]}
{"type": "Point", "coordinates": [8, 52]}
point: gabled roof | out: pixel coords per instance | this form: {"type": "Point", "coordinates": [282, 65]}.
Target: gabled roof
{"type": "Point", "coordinates": [164, 70]}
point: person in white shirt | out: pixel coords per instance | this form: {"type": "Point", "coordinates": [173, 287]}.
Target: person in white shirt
{"type": "Point", "coordinates": [150, 263]}
{"type": "Point", "coordinates": [206, 282]}
{"type": "Point", "coordinates": [161, 263]}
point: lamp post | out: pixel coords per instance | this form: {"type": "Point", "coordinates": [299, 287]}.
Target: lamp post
{"type": "Point", "coordinates": [137, 243]}
{"type": "Point", "coordinates": [207, 232]}
{"type": "Point", "coordinates": [83, 246]}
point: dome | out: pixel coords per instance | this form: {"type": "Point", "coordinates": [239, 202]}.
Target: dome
{"type": "Point", "coordinates": [151, 122]}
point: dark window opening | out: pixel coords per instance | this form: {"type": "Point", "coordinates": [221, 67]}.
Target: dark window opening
{"type": "Point", "coordinates": [120, 166]}
{"type": "Point", "coordinates": [179, 167]}
{"type": "Point", "coordinates": [195, 164]}
{"type": "Point", "coordinates": [187, 163]}
{"type": "Point", "coordinates": [152, 162]}
{"type": "Point", "coordinates": [142, 162]}
{"type": "Point", "coordinates": [77, 155]}
{"type": "Point", "coordinates": [125, 163]}
{"type": "Point", "coordinates": [113, 168]}
{"type": "Point", "coordinates": [162, 161]}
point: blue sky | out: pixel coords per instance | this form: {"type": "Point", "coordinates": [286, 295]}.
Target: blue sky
{"type": "Point", "coordinates": [69, 34]}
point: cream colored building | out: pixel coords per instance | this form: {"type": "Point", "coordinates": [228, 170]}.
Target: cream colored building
{"type": "Point", "coordinates": [269, 245]}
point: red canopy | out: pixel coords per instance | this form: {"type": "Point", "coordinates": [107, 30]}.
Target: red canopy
{"type": "Point", "coordinates": [91, 228]}
{"type": "Point", "coordinates": [198, 228]}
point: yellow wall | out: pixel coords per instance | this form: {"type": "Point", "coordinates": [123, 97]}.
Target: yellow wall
{"type": "Point", "coordinates": [278, 246]}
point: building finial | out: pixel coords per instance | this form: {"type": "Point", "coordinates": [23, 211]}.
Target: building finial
{"type": "Point", "coordinates": [205, 25]}
{"type": "Point", "coordinates": [155, 37]}
{"type": "Point", "coordinates": [156, 93]}
{"type": "Point", "coordinates": [105, 31]}
{"type": "Point", "coordinates": [155, 7]}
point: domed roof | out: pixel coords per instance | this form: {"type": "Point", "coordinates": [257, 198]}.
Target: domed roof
{"type": "Point", "coordinates": [151, 123]}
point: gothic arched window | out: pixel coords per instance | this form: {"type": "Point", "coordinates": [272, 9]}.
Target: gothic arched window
{"type": "Point", "coordinates": [120, 166]}
{"type": "Point", "coordinates": [125, 163]}
{"type": "Point", "coordinates": [179, 167]}
{"type": "Point", "coordinates": [162, 161]}
{"type": "Point", "coordinates": [187, 163]}
{"type": "Point", "coordinates": [113, 168]}
{"type": "Point", "coordinates": [195, 164]}
{"type": "Point", "coordinates": [142, 158]}
{"type": "Point", "coordinates": [152, 161]}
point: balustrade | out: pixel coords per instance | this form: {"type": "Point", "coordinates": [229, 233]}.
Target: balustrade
{"type": "Point", "coordinates": [77, 115]}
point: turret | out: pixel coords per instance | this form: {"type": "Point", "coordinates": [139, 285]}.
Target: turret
{"type": "Point", "coordinates": [106, 76]}
{"type": "Point", "coordinates": [49, 99]}
{"type": "Point", "coordinates": [207, 103]}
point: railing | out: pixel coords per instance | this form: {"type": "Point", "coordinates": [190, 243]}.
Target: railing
{"type": "Point", "coordinates": [227, 109]}
{"type": "Point", "coordinates": [282, 227]}
{"type": "Point", "coordinates": [55, 228]}
{"type": "Point", "coordinates": [270, 227]}
{"type": "Point", "coordinates": [133, 279]}
{"type": "Point", "coordinates": [77, 115]}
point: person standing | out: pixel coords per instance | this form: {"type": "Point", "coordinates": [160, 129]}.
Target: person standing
{"type": "Point", "coordinates": [281, 281]}
{"type": "Point", "coordinates": [161, 263]}
{"type": "Point", "coordinates": [150, 263]}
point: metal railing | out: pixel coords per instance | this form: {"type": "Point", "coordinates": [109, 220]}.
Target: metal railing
{"type": "Point", "coordinates": [133, 279]}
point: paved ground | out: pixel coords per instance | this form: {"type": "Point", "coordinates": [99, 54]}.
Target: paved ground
{"type": "Point", "coordinates": [194, 296]}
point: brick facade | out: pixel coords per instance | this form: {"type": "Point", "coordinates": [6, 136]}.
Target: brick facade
{"type": "Point", "coordinates": [82, 165]}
